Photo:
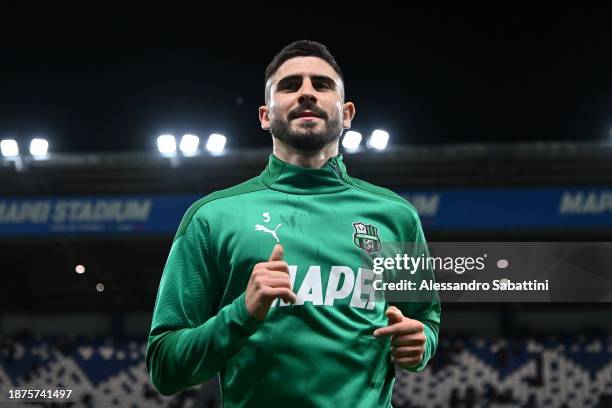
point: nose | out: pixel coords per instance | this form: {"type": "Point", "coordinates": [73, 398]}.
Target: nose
{"type": "Point", "coordinates": [307, 93]}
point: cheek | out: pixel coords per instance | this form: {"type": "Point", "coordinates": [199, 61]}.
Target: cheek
{"type": "Point", "coordinates": [336, 109]}
{"type": "Point", "coordinates": [273, 111]}
{"type": "Point", "coordinates": [333, 107]}
{"type": "Point", "coordinates": [277, 108]}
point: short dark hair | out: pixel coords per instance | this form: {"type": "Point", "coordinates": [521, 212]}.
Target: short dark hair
{"type": "Point", "coordinates": [302, 48]}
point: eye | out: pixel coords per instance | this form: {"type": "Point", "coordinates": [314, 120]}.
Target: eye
{"type": "Point", "coordinates": [288, 86]}
{"type": "Point", "coordinates": [323, 85]}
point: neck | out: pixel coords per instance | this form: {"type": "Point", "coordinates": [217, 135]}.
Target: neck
{"type": "Point", "coordinates": [311, 160]}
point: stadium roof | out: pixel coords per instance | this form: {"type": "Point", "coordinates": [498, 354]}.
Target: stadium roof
{"type": "Point", "coordinates": [458, 165]}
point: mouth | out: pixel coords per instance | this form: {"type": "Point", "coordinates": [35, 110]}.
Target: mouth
{"type": "Point", "coordinates": [307, 115]}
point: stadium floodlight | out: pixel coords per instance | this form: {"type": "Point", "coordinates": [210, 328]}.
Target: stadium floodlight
{"type": "Point", "coordinates": [100, 287]}
{"type": "Point", "coordinates": [378, 140]}
{"type": "Point", "coordinates": [189, 144]}
{"type": "Point", "coordinates": [216, 143]}
{"type": "Point", "coordinates": [39, 147]}
{"type": "Point", "coordinates": [351, 140]}
{"type": "Point", "coordinates": [80, 269]}
{"type": "Point", "coordinates": [166, 144]}
{"type": "Point", "coordinates": [9, 148]}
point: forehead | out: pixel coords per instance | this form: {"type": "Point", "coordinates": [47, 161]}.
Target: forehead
{"type": "Point", "coordinates": [305, 66]}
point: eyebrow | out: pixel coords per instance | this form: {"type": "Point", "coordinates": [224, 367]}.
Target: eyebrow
{"type": "Point", "coordinates": [313, 77]}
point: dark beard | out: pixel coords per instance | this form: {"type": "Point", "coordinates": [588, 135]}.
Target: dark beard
{"type": "Point", "coordinates": [309, 141]}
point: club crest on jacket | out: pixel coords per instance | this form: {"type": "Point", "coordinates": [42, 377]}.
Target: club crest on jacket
{"type": "Point", "coordinates": [366, 237]}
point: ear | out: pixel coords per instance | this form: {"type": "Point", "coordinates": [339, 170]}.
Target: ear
{"type": "Point", "coordinates": [348, 113]}
{"type": "Point", "coordinates": [264, 117]}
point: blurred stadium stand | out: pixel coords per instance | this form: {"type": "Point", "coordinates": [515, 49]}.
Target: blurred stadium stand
{"type": "Point", "coordinates": [550, 371]}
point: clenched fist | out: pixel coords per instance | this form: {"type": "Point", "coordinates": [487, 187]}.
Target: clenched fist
{"type": "Point", "coordinates": [269, 280]}
{"type": "Point", "coordinates": [407, 338]}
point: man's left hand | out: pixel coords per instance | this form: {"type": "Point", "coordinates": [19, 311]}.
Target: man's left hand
{"type": "Point", "coordinates": [407, 338]}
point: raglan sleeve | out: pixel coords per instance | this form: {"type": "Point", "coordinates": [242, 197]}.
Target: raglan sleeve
{"type": "Point", "coordinates": [190, 340]}
{"type": "Point", "coordinates": [426, 306]}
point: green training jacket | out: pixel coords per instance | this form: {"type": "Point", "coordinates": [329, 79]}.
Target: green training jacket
{"type": "Point", "coordinates": [319, 352]}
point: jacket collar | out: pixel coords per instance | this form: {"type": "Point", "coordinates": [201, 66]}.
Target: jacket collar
{"type": "Point", "coordinates": [289, 178]}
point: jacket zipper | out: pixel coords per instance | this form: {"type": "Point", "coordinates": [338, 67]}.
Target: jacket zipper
{"type": "Point", "coordinates": [335, 168]}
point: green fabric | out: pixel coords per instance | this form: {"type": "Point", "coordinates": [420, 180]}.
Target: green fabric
{"type": "Point", "coordinates": [319, 352]}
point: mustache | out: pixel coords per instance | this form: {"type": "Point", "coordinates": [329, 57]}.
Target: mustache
{"type": "Point", "coordinates": [309, 107]}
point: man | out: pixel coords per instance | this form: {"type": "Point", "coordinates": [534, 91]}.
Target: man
{"type": "Point", "coordinates": [264, 285]}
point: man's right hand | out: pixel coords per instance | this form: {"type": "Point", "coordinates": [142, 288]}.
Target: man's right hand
{"type": "Point", "coordinates": [269, 280]}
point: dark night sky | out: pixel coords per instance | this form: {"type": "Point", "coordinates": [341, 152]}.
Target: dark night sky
{"type": "Point", "coordinates": [425, 75]}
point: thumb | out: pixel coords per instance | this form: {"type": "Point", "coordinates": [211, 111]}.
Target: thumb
{"type": "Point", "coordinates": [394, 315]}
{"type": "Point", "coordinates": [277, 253]}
